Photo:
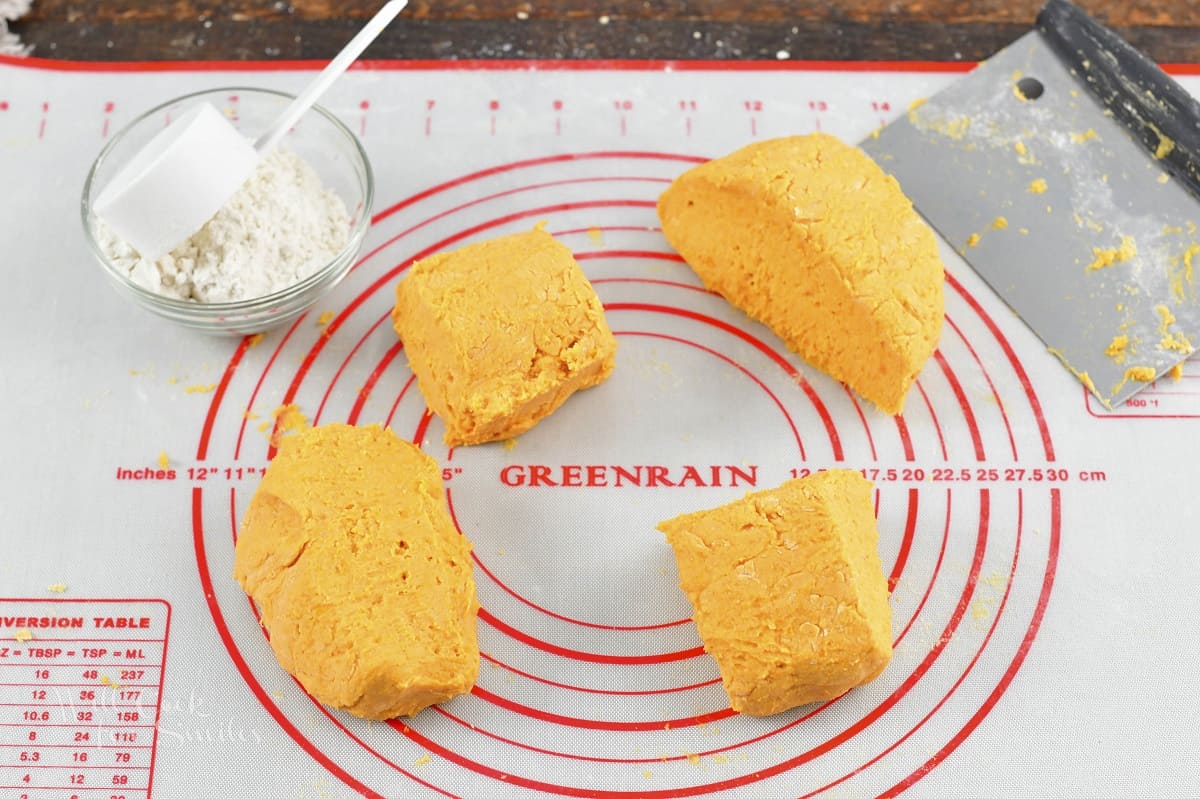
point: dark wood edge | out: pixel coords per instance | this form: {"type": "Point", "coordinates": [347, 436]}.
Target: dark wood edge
{"type": "Point", "coordinates": [560, 39]}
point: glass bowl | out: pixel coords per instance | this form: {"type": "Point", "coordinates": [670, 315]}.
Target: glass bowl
{"type": "Point", "coordinates": [328, 146]}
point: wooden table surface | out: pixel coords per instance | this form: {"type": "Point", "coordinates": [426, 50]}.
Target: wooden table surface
{"type": "Point", "coordinates": [906, 30]}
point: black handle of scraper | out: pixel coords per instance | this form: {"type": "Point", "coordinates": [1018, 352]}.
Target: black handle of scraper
{"type": "Point", "coordinates": [1151, 106]}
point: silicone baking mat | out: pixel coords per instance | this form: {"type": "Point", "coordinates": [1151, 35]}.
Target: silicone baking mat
{"type": "Point", "coordinates": [1041, 552]}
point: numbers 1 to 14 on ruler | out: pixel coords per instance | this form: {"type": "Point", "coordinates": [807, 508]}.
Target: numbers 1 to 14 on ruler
{"type": "Point", "coordinates": [560, 115]}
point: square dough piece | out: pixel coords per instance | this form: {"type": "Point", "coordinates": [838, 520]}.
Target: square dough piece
{"type": "Point", "coordinates": [788, 591]}
{"type": "Point", "coordinates": [809, 236]}
{"type": "Point", "coordinates": [500, 333]}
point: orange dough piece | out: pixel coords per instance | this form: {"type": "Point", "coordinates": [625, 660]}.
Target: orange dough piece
{"type": "Point", "coordinates": [501, 333]}
{"type": "Point", "coordinates": [788, 591]}
{"type": "Point", "coordinates": [362, 580]}
{"type": "Point", "coordinates": [809, 236]}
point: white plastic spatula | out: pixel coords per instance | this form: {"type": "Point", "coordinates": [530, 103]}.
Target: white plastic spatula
{"type": "Point", "coordinates": [183, 176]}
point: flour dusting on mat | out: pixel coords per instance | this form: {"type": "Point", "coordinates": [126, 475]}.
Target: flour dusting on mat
{"type": "Point", "coordinates": [281, 226]}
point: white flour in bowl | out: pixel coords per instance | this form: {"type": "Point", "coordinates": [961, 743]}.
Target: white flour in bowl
{"type": "Point", "coordinates": [279, 228]}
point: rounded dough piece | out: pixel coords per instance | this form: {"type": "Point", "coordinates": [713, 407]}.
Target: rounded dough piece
{"type": "Point", "coordinates": [362, 580]}
{"type": "Point", "coordinates": [812, 238]}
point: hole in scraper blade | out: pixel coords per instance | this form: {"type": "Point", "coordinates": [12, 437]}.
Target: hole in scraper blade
{"type": "Point", "coordinates": [1030, 88]}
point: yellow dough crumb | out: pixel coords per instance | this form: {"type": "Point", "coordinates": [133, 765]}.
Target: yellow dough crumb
{"type": "Point", "coordinates": [501, 333]}
{"type": "Point", "coordinates": [362, 580]}
{"type": "Point", "coordinates": [57, 588]}
{"type": "Point", "coordinates": [596, 235]}
{"type": "Point", "coordinates": [787, 589]}
{"type": "Point", "coordinates": [1107, 256]}
{"type": "Point", "coordinates": [23, 635]}
{"type": "Point", "coordinates": [1138, 374]}
{"type": "Point", "coordinates": [1176, 342]}
{"type": "Point", "coordinates": [1000, 223]}
{"type": "Point", "coordinates": [809, 236]}
{"type": "Point", "coordinates": [1165, 143]}
{"type": "Point", "coordinates": [1176, 372]}
{"type": "Point", "coordinates": [1142, 374]}
{"type": "Point", "coordinates": [1181, 279]}
{"type": "Point", "coordinates": [1087, 135]}
{"type": "Point", "coordinates": [285, 419]}
{"type": "Point", "coordinates": [1038, 186]}
{"type": "Point", "coordinates": [1086, 379]}
{"type": "Point", "coordinates": [325, 318]}
{"type": "Point", "coordinates": [1117, 348]}
{"type": "Point", "coordinates": [980, 610]}
{"type": "Point", "coordinates": [1165, 317]}
{"type": "Point", "coordinates": [254, 340]}
{"type": "Point", "coordinates": [1020, 147]}
{"type": "Point", "coordinates": [163, 460]}
{"type": "Point", "coordinates": [973, 240]}
{"type": "Point", "coordinates": [422, 760]}
{"type": "Point", "coordinates": [204, 388]}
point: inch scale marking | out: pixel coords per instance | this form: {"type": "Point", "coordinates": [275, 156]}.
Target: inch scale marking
{"type": "Point", "coordinates": [80, 695]}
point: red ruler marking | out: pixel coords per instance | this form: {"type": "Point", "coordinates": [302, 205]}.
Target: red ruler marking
{"type": "Point", "coordinates": [79, 712]}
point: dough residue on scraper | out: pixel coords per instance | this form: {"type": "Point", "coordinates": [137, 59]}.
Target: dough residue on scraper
{"type": "Point", "coordinates": [1107, 256]}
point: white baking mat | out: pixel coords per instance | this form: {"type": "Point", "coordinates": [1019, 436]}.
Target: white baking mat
{"type": "Point", "coordinates": [1042, 553]}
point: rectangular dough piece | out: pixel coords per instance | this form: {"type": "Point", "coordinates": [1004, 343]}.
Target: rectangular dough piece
{"type": "Point", "coordinates": [809, 236]}
{"type": "Point", "coordinates": [788, 591]}
{"type": "Point", "coordinates": [359, 574]}
{"type": "Point", "coordinates": [501, 333]}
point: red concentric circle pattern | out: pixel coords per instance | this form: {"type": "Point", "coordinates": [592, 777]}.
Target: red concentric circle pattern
{"type": "Point", "coordinates": [593, 681]}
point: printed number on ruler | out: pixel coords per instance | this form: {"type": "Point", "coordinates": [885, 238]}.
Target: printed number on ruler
{"type": "Point", "coordinates": [881, 108]}
{"type": "Point", "coordinates": [817, 107]}
{"type": "Point", "coordinates": [688, 107]}
{"type": "Point", "coordinates": [108, 109]}
{"type": "Point", "coordinates": [623, 108]}
{"type": "Point", "coordinates": [1048, 473]}
{"type": "Point", "coordinates": [753, 108]}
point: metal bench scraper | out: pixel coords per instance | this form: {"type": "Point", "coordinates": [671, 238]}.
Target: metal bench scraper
{"type": "Point", "coordinates": [1066, 170]}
